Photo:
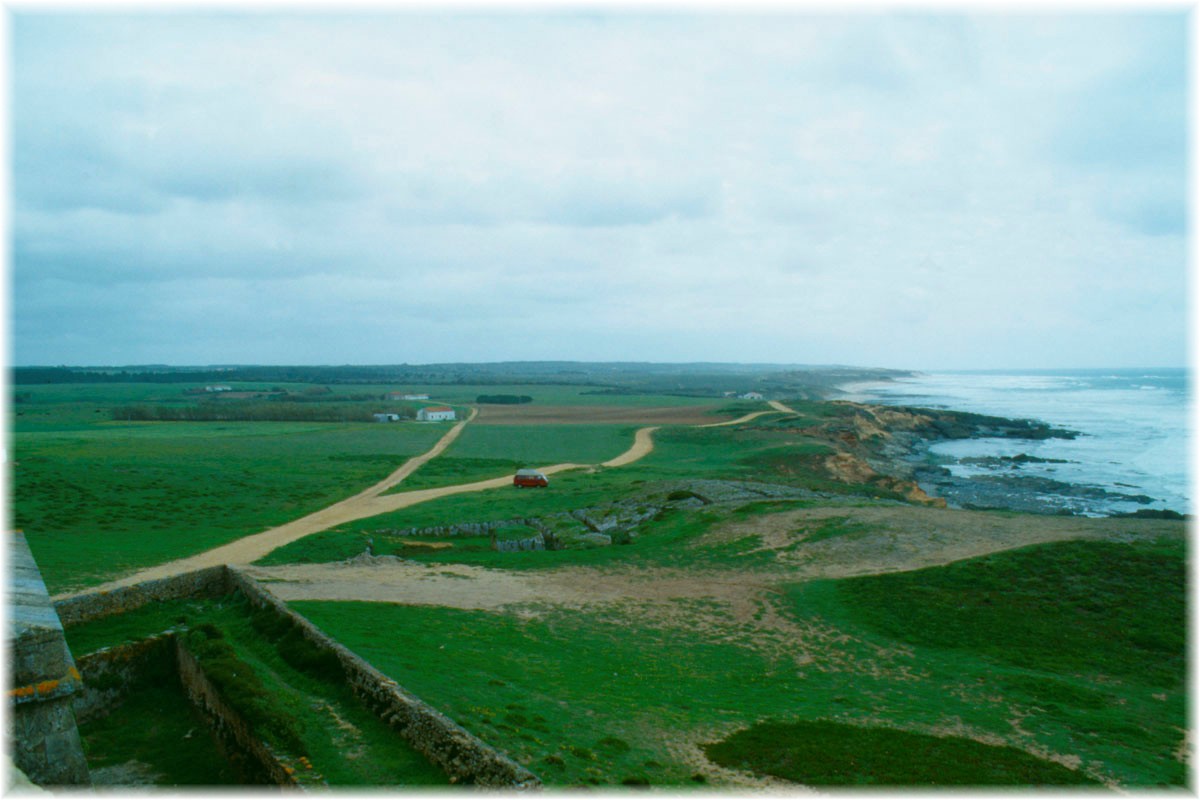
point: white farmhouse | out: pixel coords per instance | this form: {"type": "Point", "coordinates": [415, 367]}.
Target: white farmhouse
{"type": "Point", "coordinates": [435, 414]}
{"type": "Point", "coordinates": [750, 396]}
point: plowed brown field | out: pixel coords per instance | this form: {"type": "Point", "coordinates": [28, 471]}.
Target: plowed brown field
{"type": "Point", "coordinates": [595, 415]}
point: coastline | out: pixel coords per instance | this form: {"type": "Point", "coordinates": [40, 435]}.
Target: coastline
{"type": "Point", "coordinates": [998, 474]}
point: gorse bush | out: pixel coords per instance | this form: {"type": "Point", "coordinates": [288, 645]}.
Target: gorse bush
{"type": "Point", "coordinates": [824, 753]}
{"type": "Point", "coordinates": [294, 647]}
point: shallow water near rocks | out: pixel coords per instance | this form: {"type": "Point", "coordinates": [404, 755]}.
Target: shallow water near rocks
{"type": "Point", "coordinates": [1132, 451]}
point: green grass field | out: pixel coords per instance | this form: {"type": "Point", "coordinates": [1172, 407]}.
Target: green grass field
{"type": "Point", "coordinates": [1070, 655]}
{"type": "Point", "coordinates": [680, 453]}
{"type": "Point", "coordinates": [97, 498]}
{"type": "Point", "coordinates": [489, 451]}
{"type": "Point", "coordinates": [549, 687]}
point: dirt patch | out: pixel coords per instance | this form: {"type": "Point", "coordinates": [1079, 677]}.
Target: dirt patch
{"type": "Point", "coordinates": [901, 538]}
{"type": "Point", "coordinates": [531, 414]}
{"type": "Point", "coordinates": [469, 587]}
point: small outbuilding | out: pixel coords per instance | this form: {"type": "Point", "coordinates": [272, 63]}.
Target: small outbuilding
{"type": "Point", "coordinates": [387, 417]}
{"type": "Point", "coordinates": [751, 396]}
{"type": "Point", "coordinates": [435, 414]}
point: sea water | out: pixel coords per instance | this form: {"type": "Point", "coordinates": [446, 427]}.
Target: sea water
{"type": "Point", "coordinates": [1133, 426]}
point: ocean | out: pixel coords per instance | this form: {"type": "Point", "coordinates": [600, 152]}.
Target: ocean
{"type": "Point", "coordinates": [1133, 426]}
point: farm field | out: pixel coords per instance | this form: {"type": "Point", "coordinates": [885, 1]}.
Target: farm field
{"type": "Point", "coordinates": [615, 414]}
{"type": "Point", "coordinates": [98, 498]}
{"type": "Point", "coordinates": [764, 618]}
{"type": "Point", "coordinates": [489, 451]}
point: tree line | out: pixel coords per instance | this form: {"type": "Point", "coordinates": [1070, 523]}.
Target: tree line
{"type": "Point", "coordinates": [251, 412]}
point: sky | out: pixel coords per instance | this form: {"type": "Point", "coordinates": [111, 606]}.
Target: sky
{"type": "Point", "coordinates": [950, 189]}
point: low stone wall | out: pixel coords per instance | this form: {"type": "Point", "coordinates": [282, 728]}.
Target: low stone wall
{"type": "Point", "coordinates": [463, 529]}
{"type": "Point", "coordinates": [210, 582]}
{"type": "Point", "coordinates": [464, 757]}
{"type": "Point", "coordinates": [253, 757]}
{"type": "Point", "coordinates": [535, 542]}
{"type": "Point", "coordinates": [109, 675]}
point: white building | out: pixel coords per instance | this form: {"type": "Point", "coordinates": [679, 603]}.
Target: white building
{"type": "Point", "coordinates": [751, 396]}
{"type": "Point", "coordinates": [435, 414]}
{"type": "Point", "coordinates": [387, 417]}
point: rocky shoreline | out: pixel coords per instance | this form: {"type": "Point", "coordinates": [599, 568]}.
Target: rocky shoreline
{"type": "Point", "coordinates": [898, 441]}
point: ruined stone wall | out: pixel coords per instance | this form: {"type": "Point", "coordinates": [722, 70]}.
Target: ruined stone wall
{"type": "Point", "coordinates": [463, 529]}
{"type": "Point", "coordinates": [109, 675]}
{"type": "Point", "coordinates": [210, 582]}
{"type": "Point", "coordinates": [535, 542]}
{"type": "Point", "coordinates": [464, 757]}
{"type": "Point", "coordinates": [252, 756]}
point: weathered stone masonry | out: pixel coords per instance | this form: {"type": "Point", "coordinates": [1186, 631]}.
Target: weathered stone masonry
{"type": "Point", "coordinates": [464, 757]}
{"type": "Point", "coordinates": [44, 740]}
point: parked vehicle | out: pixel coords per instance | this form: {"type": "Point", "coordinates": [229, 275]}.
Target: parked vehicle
{"type": "Point", "coordinates": [529, 477]}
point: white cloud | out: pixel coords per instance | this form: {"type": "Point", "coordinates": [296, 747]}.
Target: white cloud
{"type": "Point", "coordinates": [911, 189]}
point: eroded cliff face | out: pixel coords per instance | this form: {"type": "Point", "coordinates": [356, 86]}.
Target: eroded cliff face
{"type": "Point", "coordinates": [881, 445]}
{"type": "Point", "coordinates": [870, 441]}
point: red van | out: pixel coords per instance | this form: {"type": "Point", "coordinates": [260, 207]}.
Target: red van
{"type": "Point", "coordinates": [529, 477]}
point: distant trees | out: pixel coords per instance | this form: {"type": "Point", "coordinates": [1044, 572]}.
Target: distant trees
{"type": "Point", "coordinates": [503, 399]}
{"type": "Point", "coordinates": [250, 412]}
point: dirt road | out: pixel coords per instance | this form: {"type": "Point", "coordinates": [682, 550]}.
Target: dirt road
{"type": "Point", "coordinates": [737, 421]}
{"type": "Point", "coordinates": [369, 502]}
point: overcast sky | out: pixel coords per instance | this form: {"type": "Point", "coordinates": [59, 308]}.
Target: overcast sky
{"type": "Point", "coordinates": [910, 190]}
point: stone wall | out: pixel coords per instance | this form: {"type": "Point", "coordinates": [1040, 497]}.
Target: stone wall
{"type": "Point", "coordinates": [109, 675]}
{"type": "Point", "coordinates": [44, 739]}
{"type": "Point", "coordinates": [254, 758]}
{"type": "Point", "coordinates": [210, 582]}
{"type": "Point", "coordinates": [112, 674]}
{"type": "Point", "coordinates": [463, 529]}
{"type": "Point", "coordinates": [535, 542]}
{"type": "Point", "coordinates": [464, 757]}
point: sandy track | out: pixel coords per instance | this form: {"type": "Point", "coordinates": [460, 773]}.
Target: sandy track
{"type": "Point", "coordinates": [737, 421]}
{"type": "Point", "coordinates": [642, 445]}
{"type": "Point", "coordinates": [778, 406]}
{"type": "Point", "coordinates": [368, 503]}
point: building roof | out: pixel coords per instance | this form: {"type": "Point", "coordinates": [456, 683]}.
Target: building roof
{"type": "Point", "coordinates": [437, 408]}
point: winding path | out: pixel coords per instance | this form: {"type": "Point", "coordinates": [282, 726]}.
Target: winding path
{"type": "Point", "coordinates": [369, 502]}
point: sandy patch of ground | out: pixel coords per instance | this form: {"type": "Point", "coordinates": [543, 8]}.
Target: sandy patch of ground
{"type": "Point", "coordinates": [900, 538]}
{"type": "Point", "coordinates": [531, 414]}
{"type": "Point", "coordinates": [470, 587]}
